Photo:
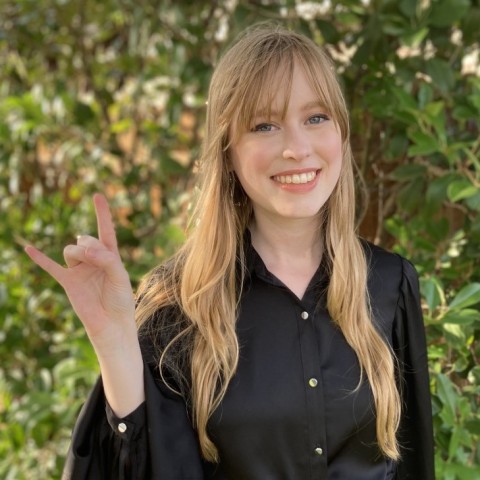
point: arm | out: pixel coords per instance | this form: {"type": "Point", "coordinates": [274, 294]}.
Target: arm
{"type": "Point", "coordinates": [158, 443]}
{"type": "Point", "coordinates": [99, 290]}
{"type": "Point", "coordinates": [416, 430]}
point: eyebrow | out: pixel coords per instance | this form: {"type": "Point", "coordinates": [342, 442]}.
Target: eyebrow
{"type": "Point", "coordinates": [307, 106]}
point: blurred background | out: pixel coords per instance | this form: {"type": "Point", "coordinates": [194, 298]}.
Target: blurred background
{"type": "Point", "coordinates": [110, 96]}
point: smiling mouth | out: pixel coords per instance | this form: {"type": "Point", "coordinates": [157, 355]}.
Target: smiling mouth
{"type": "Point", "coordinates": [297, 178]}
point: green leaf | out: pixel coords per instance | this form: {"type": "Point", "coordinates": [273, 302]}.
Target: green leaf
{"type": "Point", "coordinates": [456, 471]}
{"type": "Point", "coordinates": [432, 291]}
{"type": "Point", "coordinates": [329, 32]}
{"type": "Point", "coordinates": [454, 333]}
{"type": "Point", "coordinates": [416, 37]}
{"type": "Point", "coordinates": [405, 100]}
{"type": "Point", "coordinates": [461, 189]}
{"type": "Point", "coordinates": [447, 394]}
{"type": "Point", "coordinates": [437, 189]}
{"type": "Point", "coordinates": [83, 113]}
{"type": "Point", "coordinates": [466, 316]}
{"type": "Point", "coordinates": [425, 94]}
{"type": "Point", "coordinates": [408, 172]}
{"type": "Point", "coordinates": [121, 126]}
{"type": "Point", "coordinates": [467, 296]}
{"type": "Point", "coordinates": [473, 202]}
{"type": "Point", "coordinates": [410, 195]}
{"type": "Point", "coordinates": [408, 7]}
{"type": "Point", "coordinates": [424, 143]}
{"type": "Point", "coordinates": [454, 442]}
{"type": "Point", "coordinates": [445, 13]}
{"type": "Point", "coordinates": [435, 112]}
{"type": "Point", "coordinates": [441, 73]}
{"type": "Point", "coordinates": [470, 25]}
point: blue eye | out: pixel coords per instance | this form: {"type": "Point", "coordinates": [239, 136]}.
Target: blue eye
{"type": "Point", "coordinates": [317, 119]}
{"type": "Point", "coordinates": [262, 127]}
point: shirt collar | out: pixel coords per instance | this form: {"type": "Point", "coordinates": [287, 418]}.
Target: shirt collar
{"type": "Point", "coordinates": [254, 266]}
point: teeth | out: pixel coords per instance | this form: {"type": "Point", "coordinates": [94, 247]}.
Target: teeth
{"type": "Point", "coordinates": [296, 178]}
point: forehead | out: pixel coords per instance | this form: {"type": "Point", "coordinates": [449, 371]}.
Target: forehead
{"type": "Point", "coordinates": [282, 91]}
{"type": "Point", "coordinates": [271, 90]}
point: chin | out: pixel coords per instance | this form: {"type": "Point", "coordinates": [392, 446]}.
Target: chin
{"type": "Point", "coordinates": [301, 214]}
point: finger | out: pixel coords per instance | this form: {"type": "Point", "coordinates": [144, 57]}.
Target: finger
{"type": "Point", "coordinates": [106, 228]}
{"type": "Point", "coordinates": [49, 265]}
{"type": "Point", "coordinates": [87, 241]}
{"type": "Point", "coordinates": [107, 261]}
{"type": "Point", "coordinates": [74, 255]}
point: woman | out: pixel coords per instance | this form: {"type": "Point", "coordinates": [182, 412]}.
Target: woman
{"type": "Point", "coordinates": [275, 344]}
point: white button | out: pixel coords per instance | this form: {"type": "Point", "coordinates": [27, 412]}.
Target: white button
{"type": "Point", "coordinates": [304, 315]}
{"type": "Point", "coordinates": [122, 428]}
{"type": "Point", "coordinates": [319, 451]}
{"type": "Point", "coordinates": [313, 382]}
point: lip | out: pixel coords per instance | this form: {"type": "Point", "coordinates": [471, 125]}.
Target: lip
{"type": "Point", "coordinates": [297, 187]}
{"type": "Point", "coordinates": [296, 171]}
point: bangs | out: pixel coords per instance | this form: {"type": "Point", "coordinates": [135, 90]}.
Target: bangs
{"type": "Point", "coordinates": [276, 74]}
{"type": "Point", "coordinates": [260, 93]}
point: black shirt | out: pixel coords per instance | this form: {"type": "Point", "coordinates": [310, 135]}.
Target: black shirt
{"type": "Point", "coordinates": [292, 410]}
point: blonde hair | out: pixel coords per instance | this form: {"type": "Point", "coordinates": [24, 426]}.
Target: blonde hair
{"type": "Point", "coordinates": [203, 280]}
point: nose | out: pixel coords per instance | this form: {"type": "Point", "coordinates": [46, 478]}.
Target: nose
{"type": "Point", "coordinates": [297, 145]}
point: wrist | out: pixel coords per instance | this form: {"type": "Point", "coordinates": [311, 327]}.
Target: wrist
{"type": "Point", "coordinates": [116, 344]}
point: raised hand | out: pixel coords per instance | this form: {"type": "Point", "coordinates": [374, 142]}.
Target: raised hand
{"type": "Point", "coordinates": [100, 292]}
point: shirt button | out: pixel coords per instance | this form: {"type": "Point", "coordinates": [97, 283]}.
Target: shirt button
{"type": "Point", "coordinates": [122, 428]}
{"type": "Point", "coordinates": [319, 451]}
{"type": "Point", "coordinates": [313, 382]}
{"type": "Point", "coordinates": [304, 315]}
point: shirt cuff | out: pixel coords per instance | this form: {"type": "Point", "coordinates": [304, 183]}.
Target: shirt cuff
{"type": "Point", "coordinates": [126, 427]}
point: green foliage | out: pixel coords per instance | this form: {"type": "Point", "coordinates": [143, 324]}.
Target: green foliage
{"type": "Point", "coordinates": [109, 96]}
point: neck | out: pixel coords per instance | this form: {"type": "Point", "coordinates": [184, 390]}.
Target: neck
{"type": "Point", "coordinates": [291, 250]}
{"type": "Point", "coordinates": [293, 242]}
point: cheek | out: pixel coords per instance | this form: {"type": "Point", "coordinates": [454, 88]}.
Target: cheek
{"type": "Point", "coordinates": [332, 146]}
{"type": "Point", "coordinates": [250, 157]}
{"type": "Point", "coordinates": [331, 151]}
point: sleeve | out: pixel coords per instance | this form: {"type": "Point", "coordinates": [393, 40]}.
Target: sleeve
{"type": "Point", "coordinates": [156, 441]}
{"type": "Point", "coordinates": [105, 446]}
{"type": "Point", "coordinates": [409, 342]}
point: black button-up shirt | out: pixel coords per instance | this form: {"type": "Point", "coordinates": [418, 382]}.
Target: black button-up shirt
{"type": "Point", "coordinates": [292, 410]}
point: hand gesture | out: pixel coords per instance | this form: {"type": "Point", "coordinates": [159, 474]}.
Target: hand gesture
{"type": "Point", "coordinates": [96, 284]}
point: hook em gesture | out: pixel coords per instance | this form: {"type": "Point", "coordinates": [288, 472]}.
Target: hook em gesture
{"type": "Point", "coordinates": [96, 283]}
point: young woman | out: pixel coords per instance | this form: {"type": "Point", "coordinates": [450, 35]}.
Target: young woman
{"type": "Point", "coordinates": [275, 344]}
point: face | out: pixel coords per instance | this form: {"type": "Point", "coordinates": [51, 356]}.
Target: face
{"type": "Point", "coordinates": [289, 166]}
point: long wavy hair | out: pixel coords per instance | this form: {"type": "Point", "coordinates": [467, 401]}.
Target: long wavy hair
{"type": "Point", "coordinates": [200, 287]}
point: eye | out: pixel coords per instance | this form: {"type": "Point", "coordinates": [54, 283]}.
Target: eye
{"type": "Point", "coordinates": [263, 127]}
{"type": "Point", "coordinates": [317, 119]}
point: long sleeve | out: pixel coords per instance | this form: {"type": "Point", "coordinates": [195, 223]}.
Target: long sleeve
{"type": "Point", "coordinates": [416, 431]}
{"type": "Point", "coordinates": [157, 443]}
{"type": "Point", "coordinates": [104, 446]}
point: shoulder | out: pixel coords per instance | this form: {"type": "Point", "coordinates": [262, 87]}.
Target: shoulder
{"type": "Point", "coordinates": [378, 257]}
{"type": "Point", "coordinates": [388, 267]}
{"type": "Point", "coordinates": [392, 281]}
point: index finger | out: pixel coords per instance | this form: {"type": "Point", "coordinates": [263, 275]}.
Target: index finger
{"type": "Point", "coordinates": [106, 228]}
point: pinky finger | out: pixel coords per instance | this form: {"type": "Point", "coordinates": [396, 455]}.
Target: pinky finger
{"type": "Point", "coordinates": [49, 265]}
